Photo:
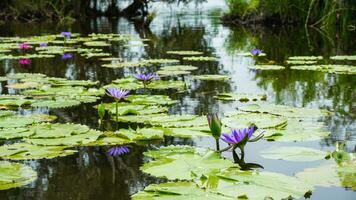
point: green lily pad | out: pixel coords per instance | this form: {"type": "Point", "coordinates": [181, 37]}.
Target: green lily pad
{"type": "Point", "coordinates": [65, 82]}
{"type": "Point", "coordinates": [286, 111]}
{"type": "Point", "coordinates": [26, 76]}
{"type": "Point", "coordinates": [6, 113]}
{"type": "Point", "coordinates": [151, 99]}
{"type": "Point", "coordinates": [134, 109]}
{"type": "Point", "coordinates": [172, 73]}
{"type": "Point", "coordinates": [337, 69]}
{"type": "Point", "coordinates": [24, 151]}
{"type": "Point", "coordinates": [159, 61]}
{"type": "Point", "coordinates": [293, 153]}
{"type": "Point", "coordinates": [57, 130]}
{"type": "Point", "coordinates": [15, 121]}
{"type": "Point", "coordinates": [187, 166]}
{"type": "Point", "coordinates": [212, 77]}
{"type": "Point", "coordinates": [142, 134]}
{"type": "Point", "coordinates": [74, 140]}
{"type": "Point", "coordinates": [15, 175]}
{"type": "Point", "coordinates": [23, 85]}
{"type": "Point", "coordinates": [248, 54]}
{"type": "Point", "coordinates": [267, 67]}
{"type": "Point", "coordinates": [179, 68]}
{"type": "Point", "coordinates": [176, 191]}
{"type": "Point", "coordinates": [343, 57]}
{"type": "Point", "coordinates": [200, 58]}
{"type": "Point", "coordinates": [257, 185]}
{"type": "Point", "coordinates": [301, 62]}
{"type": "Point", "coordinates": [13, 133]}
{"type": "Point", "coordinates": [262, 121]}
{"type": "Point", "coordinates": [110, 138]}
{"type": "Point", "coordinates": [96, 44]}
{"type": "Point", "coordinates": [343, 175]}
{"type": "Point", "coordinates": [185, 53]}
{"type": "Point", "coordinates": [243, 97]}
{"type": "Point", "coordinates": [190, 132]}
{"type": "Point", "coordinates": [56, 103]}
{"type": "Point", "coordinates": [298, 130]}
{"type": "Point", "coordinates": [133, 84]}
{"type": "Point", "coordinates": [305, 58]}
{"type": "Point", "coordinates": [14, 100]}
{"type": "Point", "coordinates": [124, 64]}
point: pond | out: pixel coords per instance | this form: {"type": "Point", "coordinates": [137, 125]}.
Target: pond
{"type": "Point", "coordinates": [296, 90]}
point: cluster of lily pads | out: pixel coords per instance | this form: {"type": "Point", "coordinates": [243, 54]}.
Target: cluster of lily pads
{"type": "Point", "coordinates": [200, 173]}
{"type": "Point", "coordinates": [333, 64]}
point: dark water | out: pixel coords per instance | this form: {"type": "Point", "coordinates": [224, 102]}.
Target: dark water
{"type": "Point", "coordinates": [91, 174]}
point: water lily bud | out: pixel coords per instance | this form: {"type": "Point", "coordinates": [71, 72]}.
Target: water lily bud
{"type": "Point", "coordinates": [101, 111]}
{"type": "Point", "coordinates": [214, 125]}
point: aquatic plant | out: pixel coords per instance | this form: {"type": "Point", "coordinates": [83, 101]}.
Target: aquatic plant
{"type": "Point", "coordinates": [256, 52]}
{"type": "Point", "coordinates": [101, 112]}
{"type": "Point", "coordinates": [146, 79]}
{"type": "Point", "coordinates": [25, 61]}
{"type": "Point", "coordinates": [67, 56]}
{"type": "Point", "coordinates": [238, 138]}
{"type": "Point", "coordinates": [24, 45]}
{"type": "Point", "coordinates": [118, 95]}
{"type": "Point", "coordinates": [215, 127]}
{"type": "Point", "coordinates": [43, 45]}
{"type": "Point", "coordinates": [119, 150]}
{"type": "Point", "coordinates": [66, 34]}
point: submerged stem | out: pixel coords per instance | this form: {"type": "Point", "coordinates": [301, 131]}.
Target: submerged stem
{"type": "Point", "coordinates": [117, 114]}
{"type": "Point", "coordinates": [217, 144]}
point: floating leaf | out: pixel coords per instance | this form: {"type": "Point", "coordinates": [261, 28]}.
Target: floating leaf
{"type": "Point", "coordinates": [172, 73]}
{"type": "Point", "coordinates": [179, 68]}
{"type": "Point", "coordinates": [185, 53]}
{"type": "Point", "coordinates": [133, 84]}
{"type": "Point", "coordinates": [134, 109]}
{"type": "Point", "coordinates": [305, 58]}
{"type": "Point", "coordinates": [301, 62]}
{"type": "Point", "coordinates": [298, 130]}
{"type": "Point", "coordinates": [343, 57]}
{"type": "Point", "coordinates": [176, 191]}
{"type": "Point", "coordinates": [212, 77]}
{"type": "Point", "coordinates": [191, 132]}
{"type": "Point", "coordinates": [257, 185]}
{"type": "Point", "coordinates": [243, 97]}
{"type": "Point", "coordinates": [24, 120]}
{"type": "Point", "coordinates": [142, 134]}
{"type": "Point", "coordinates": [58, 130]}
{"type": "Point", "coordinates": [248, 54]}
{"type": "Point", "coordinates": [96, 44]}
{"type": "Point", "coordinates": [151, 99]}
{"type": "Point", "coordinates": [15, 175]}
{"type": "Point", "coordinates": [12, 133]}
{"type": "Point", "coordinates": [110, 138]}
{"type": "Point", "coordinates": [267, 67]}
{"type": "Point", "coordinates": [24, 151]}
{"type": "Point", "coordinates": [286, 111]}
{"type": "Point", "coordinates": [14, 100]}
{"type": "Point", "coordinates": [337, 69]}
{"type": "Point", "coordinates": [293, 153]}
{"type": "Point", "coordinates": [23, 85]}
{"type": "Point", "coordinates": [74, 140]}
{"type": "Point", "coordinates": [187, 166]}
{"type": "Point", "coordinates": [200, 58]}
{"type": "Point", "coordinates": [242, 120]}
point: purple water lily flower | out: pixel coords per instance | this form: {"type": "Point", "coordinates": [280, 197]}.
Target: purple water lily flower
{"type": "Point", "coordinates": [256, 52]}
{"type": "Point", "coordinates": [66, 34]}
{"type": "Point", "coordinates": [67, 56]}
{"type": "Point", "coordinates": [146, 78]}
{"type": "Point", "coordinates": [25, 61]}
{"type": "Point", "coordinates": [43, 44]}
{"type": "Point", "coordinates": [115, 151]}
{"type": "Point", "coordinates": [117, 94]}
{"type": "Point", "coordinates": [237, 135]}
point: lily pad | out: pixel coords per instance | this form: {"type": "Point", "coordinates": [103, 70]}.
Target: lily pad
{"type": "Point", "coordinates": [187, 166]}
{"type": "Point", "coordinates": [293, 153]}
{"type": "Point", "coordinates": [212, 77]}
{"type": "Point", "coordinates": [257, 185]}
{"type": "Point", "coordinates": [133, 84]}
{"type": "Point", "coordinates": [305, 58]}
{"type": "Point", "coordinates": [15, 121]}
{"type": "Point", "coordinates": [286, 111]}
{"type": "Point", "coordinates": [343, 57]}
{"type": "Point", "coordinates": [142, 134]}
{"type": "Point", "coordinates": [243, 97]}
{"type": "Point", "coordinates": [12, 133]}
{"type": "Point", "coordinates": [267, 67]}
{"type": "Point", "coordinates": [200, 58]}
{"type": "Point", "coordinates": [176, 191]}
{"type": "Point", "coordinates": [57, 130]}
{"type": "Point", "coordinates": [151, 99]}
{"type": "Point", "coordinates": [23, 85]}
{"type": "Point", "coordinates": [301, 62]}
{"type": "Point", "coordinates": [337, 69]}
{"type": "Point", "coordinates": [134, 109]}
{"type": "Point", "coordinates": [179, 68]}
{"type": "Point", "coordinates": [14, 100]}
{"type": "Point", "coordinates": [172, 73]}
{"type": "Point", "coordinates": [24, 151]}
{"type": "Point", "coordinates": [96, 44]}
{"type": "Point", "coordinates": [190, 132]}
{"type": "Point", "coordinates": [262, 121]}
{"type": "Point", "coordinates": [15, 175]}
{"type": "Point", "coordinates": [185, 53]}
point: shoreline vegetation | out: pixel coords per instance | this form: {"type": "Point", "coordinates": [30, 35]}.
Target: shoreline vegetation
{"type": "Point", "coordinates": [316, 13]}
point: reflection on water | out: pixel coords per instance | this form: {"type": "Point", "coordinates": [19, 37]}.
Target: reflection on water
{"type": "Point", "coordinates": [93, 175]}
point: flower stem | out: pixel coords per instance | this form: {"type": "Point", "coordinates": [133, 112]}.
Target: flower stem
{"type": "Point", "coordinates": [217, 144]}
{"type": "Point", "coordinates": [117, 114]}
